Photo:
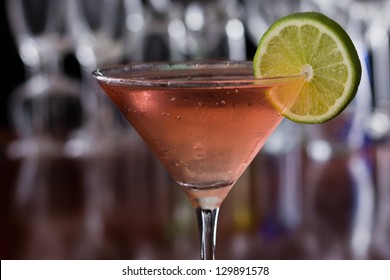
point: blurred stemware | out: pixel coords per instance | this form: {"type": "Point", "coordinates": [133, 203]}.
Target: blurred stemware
{"type": "Point", "coordinates": [48, 203]}
{"type": "Point", "coordinates": [377, 37]}
{"type": "Point", "coordinates": [341, 146]}
{"type": "Point", "coordinates": [98, 29]}
{"type": "Point", "coordinates": [155, 42]}
{"type": "Point", "coordinates": [206, 29]}
{"type": "Point", "coordinates": [261, 13]}
{"type": "Point", "coordinates": [40, 34]}
{"type": "Point", "coordinates": [60, 212]}
{"type": "Point", "coordinates": [281, 214]}
{"type": "Point", "coordinates": [48, 102]}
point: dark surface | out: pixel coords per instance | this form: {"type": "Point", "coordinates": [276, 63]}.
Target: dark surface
{"type": "Point", "coordinates": [124, 206]}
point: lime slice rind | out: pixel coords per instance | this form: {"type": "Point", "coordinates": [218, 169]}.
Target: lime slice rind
{"type": "Point", "coordinates": [314, 43]}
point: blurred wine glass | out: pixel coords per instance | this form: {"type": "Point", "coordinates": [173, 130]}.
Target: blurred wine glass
{"type": "Point", "coordinates": [340, 140]}
{"type": "Point", "coordinates": [260, 14]}
{"type": "Point", "coordinates": [61, 203]}
{"type": "Point", "coordinates": [281, 213]}
{"type": "Point", "coordinates": [46, 109]}
{"type": "Point", "coordinates": [100, 30]}
{"type": "Point", "coordinates": [155, 40]}
{"type": "Point", "coordinates": [49, 203]}
{"type": "Point", "coordinates": [377, 37]}
{"type": "Point", "coordinates": [201, 29]}
{"type": "Point", "coordinates": [341, 147]}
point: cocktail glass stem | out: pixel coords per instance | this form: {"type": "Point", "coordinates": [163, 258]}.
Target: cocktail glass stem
{"type": "Point", "coordinates": [207, 225]}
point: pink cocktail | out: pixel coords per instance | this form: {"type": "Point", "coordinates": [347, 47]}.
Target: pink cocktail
{"type": "Point", "coordinates": [204, 120]}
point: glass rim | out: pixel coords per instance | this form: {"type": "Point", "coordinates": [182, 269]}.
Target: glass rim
{"type": "Point", "coordinates": [175, 74]}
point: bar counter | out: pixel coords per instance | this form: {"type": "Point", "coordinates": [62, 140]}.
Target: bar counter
{"type": "Point", "coordinates": [122, 205]}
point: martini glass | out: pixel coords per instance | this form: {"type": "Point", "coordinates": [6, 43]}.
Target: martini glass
{"type": "Point", "coordinates": [204, 120]}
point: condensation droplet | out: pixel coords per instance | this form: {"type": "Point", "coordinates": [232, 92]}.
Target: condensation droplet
{"type": "Point", "coordinates": [223, 102]}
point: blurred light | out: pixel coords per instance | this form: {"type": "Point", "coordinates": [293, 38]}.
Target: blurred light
{"type": "Point", "coordinates": [240, 245]}
{"type": "Point", "coordinates": [378, 36]}
{"type": "Point", "coordinates": [29, 53]}
{"type": "Point", "coordinates": [235, 29]}
{"type": "Point", "coordinates": [86, 56]}
{"type": "Point", "coordinates": [194, 17]}
{"type": "Point", "coordinates": [319, 150]}
{"type": "Point", "coordinates": [176, 29]}
{"type": "Point", "coordinates": [276, 144]}
{"type": "Point", "coordinates": [379, 125]}
{"type": "Point", "coordinates": [134, 22]}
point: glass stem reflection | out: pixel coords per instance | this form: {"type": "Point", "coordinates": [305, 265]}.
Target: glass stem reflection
{"type": "Point", "coordinates": [207, 225]}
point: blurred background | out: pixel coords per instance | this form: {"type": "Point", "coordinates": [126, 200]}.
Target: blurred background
{"type": "Point", "coordinates": [76, 182]}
